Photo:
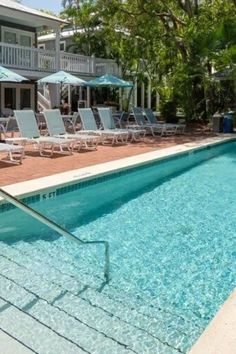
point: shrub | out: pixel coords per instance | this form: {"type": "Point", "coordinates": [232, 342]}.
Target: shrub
{"type": "Point", "coordinates": [168, 112]}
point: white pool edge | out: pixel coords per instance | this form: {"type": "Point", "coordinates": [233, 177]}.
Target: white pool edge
{"type": "Point", "coordinates": [30, 187]}
{"type": "Point", "coordinates": [219, 337]}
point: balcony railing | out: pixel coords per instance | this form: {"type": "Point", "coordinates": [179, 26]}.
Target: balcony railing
{"type": "Point", "coordinates": [34, 59]}
{"type": "Point", "coordinates": [26, 58]}
{"type": "Point", "coordinates": [76, 63]}
{"type": "Point", "coordinates": [106, 66]}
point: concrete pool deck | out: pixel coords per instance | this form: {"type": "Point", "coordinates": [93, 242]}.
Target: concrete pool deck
{"type": "Point", "coordinates": [35, 166]}
{"type": "Point", "coordinates": [219, 337]}
{"type": "Point", "coordinates": [124, 159]}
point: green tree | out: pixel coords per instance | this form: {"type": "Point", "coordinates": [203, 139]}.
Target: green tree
{"type": "Point", "coordinates": [176, 43]}
{"type": "Point", "coordinates": [89, 38]}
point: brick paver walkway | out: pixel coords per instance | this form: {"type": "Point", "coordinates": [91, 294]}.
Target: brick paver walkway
{"type": "Point", "coordinates": [35, 166]}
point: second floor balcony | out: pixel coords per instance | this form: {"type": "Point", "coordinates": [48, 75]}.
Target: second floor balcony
{"type": "Point", "coordinates": [39, 60]}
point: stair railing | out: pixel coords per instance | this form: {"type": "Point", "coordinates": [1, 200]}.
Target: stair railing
{"type": "Point", "coordinates": [62, 231]}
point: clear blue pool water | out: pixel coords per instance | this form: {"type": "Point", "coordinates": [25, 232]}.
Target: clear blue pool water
{"type": "Point", "coordinates": [172, 236]}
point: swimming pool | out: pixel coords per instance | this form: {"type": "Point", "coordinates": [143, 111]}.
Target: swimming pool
{"type": "Point", "coordinates": [171, 228]}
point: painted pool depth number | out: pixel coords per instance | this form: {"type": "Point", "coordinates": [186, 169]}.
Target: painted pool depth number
{"type": "Point", "coordinates": [49, 195]}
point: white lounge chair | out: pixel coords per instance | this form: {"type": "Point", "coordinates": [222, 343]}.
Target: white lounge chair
{"type": "Point", "coordinates": [57, 129]}
{"type": "Point", "coordinates": [15, 153]}
{"type": "Point", "coordinates": [46, 144]}
{"type": "Point", "coordinates": [171, 128]}
{"type": "Point", "coordinates": [154, 129]}
{"type": "Point", "coordinates": [107, 135]}
{"type": "Point", "coordinates": [107, 121]}
{"type": "Point", "coordinates": [10, 127]}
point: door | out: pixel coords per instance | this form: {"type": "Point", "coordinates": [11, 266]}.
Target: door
{"type": "Point", "coordinates": [18, 52]}
{"type": "Point", "coordinates": [17, 96]}
{"type": "Point", "coordinates": [25, 98]}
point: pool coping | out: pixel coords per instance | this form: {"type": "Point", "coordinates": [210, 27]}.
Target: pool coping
{"type": "Point", "coordinates": [219, 336]}
{"type": "Point", "coordinates": [44, 184]}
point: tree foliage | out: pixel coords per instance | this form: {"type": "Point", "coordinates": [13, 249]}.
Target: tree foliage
{"type": "Point", "coordinates": [176, 43]}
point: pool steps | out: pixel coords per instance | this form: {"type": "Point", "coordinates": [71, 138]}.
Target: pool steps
{"type": "Point", "coordinates": [101, 323]}
{"type": "Point", "coordinates": [60, 230]}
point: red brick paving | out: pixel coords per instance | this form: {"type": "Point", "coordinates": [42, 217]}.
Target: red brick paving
{"type": "Point", "coordinates": [35, 166]}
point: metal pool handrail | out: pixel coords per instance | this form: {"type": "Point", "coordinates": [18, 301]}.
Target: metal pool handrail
{"type": "Point", "coordinates": [43, 219]}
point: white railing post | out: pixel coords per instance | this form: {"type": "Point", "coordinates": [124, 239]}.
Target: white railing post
{"type": "Point", "coordinates": [135, 93]}
{"type": "Point", "coordinates": [57, 49]}
{"type": "Point", "coordinates": [121, 99]}
{"type": "Point", "coordinates": [88, 103]}
{"type": "Point", "coordinates": [143, 95]}
{"type": "Point", "coordinates": [92, 65]}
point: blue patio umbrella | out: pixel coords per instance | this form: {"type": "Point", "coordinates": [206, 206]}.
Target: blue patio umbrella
{"type": "Point", "coordinates": [7, 75]}
{"type": "Point", "coordinates": [109, 81]}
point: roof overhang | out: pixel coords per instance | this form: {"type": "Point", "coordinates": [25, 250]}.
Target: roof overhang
{"type": "Point", "coordinates": [14, 12]}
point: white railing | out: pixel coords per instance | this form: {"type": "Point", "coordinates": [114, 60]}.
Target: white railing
{"type": "Point", "coordinates": [34, 59]}
{"type": "Point", "coordinates": [43, 102]}
{"type": "Point", "coordinates": [16, 56]}
{"type": "Point", "coordinates": [106, 66]}
{"type": "Point", "coordinates": [46, 60]}
{"type": "Point", "coordinates": [75, 63]}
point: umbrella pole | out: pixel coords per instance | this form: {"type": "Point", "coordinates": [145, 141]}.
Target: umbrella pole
{"type": "Point", "coordinates": [61, 94]}
{"type": "Point", "coordinates": [69, 96]}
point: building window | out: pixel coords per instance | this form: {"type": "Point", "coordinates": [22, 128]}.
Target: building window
{"type": "Point", "coordinates": [16, 96]}
{"type": "Point", "coordinates": [25, 98]}
{"type": "Point", "coordinates": [10, 98]}
{"type": "Point", "coordinates": [15, 36]}
{"type": "Point", "coordinates": [62, 46]}
{"type": "Point", "coordinates": [25, 41]}
{"type": "Point", "coordinates": [41, 46]}
{"type": "Point", "coordinates": [9, 37]}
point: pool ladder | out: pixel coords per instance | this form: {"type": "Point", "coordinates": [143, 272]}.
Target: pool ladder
{"type": "Point", "coordinates": [62, 231]}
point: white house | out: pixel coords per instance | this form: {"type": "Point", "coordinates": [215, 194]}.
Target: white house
{"type": "Point", "coordinates": [142, 93]}
{"type": "Point", "coordinates": [19, 50]}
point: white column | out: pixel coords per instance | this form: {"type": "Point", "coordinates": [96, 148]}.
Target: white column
{"type": "Point", "coordinates": [92, 65]}
{"type": "Point", "coordinates": [88, 97]}
{"type": "Point", "coordinates": [121, 99]}
{"type": "Point", "coordinates": [149, 94]}
{"type": "Point", "coordinates": [135, 93]}
{"type": "Point", "coordinates": [56, 89]}
{"type": "Point", "coordinates": [54, 94]}
{"type": "Point", "coordinates": [69, 96]}
{"type": "Point", "coordinates": [143, 95]}
{"type": "Point", "coordinates": [57, 48]}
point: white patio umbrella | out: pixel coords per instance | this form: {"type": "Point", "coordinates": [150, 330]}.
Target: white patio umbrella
{"type": "Point", "coordinates": [62, 77]}
{"type": "Point", "coordinates": [7, 75]}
